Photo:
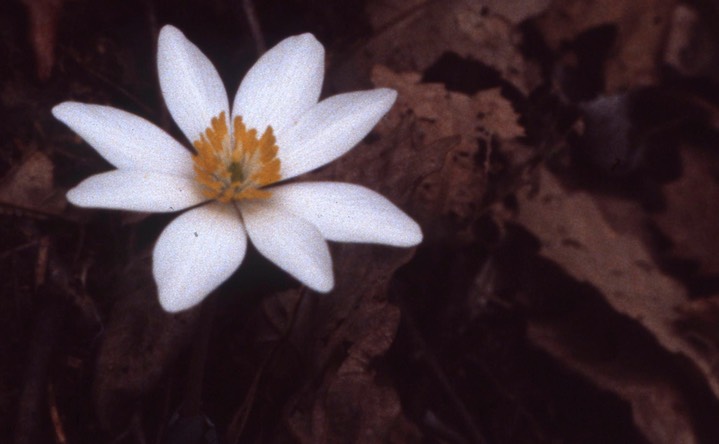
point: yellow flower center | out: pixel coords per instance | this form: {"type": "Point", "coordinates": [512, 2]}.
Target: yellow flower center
{"type": "Point", "coordinates": [235, 166]}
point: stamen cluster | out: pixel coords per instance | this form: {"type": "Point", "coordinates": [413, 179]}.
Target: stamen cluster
{"type": "Point", "coordinates": [235, 166]}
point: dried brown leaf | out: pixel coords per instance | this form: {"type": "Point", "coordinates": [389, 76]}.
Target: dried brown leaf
{"type": "Point", "coordinates": [690, 219]}
{"type": "Point", "coordinates": [139, 342]}
{"type": "Point", "coordinates": [497, 115]}
{"type": "Point", "coordinates": [352, 405]}
{"type": "Point", "coordinates": [351, 330]}
{"type": "Point", "coordinates": [575, 234]}
{"type": "Point", "coordinates": [640, 39]}
{"type": "Point", "coordinates": [690, 48]}
{"type": "Point", "coordinates": [430, 136]}
{"type": "Point", "coordinates": [698, 323]}
{"type": "Point", "coordinates": [29, 186]}
{"type": "Point", "coordinates": [658, 406]}
{"type": "Point", "coordinates": [516, 11]}
{"type": "Point", "coordinates": [413, 35]}
{"type": "Point", "coordinates": [426, 160]}
{"type": "Point", "coordinates": [437, 133]}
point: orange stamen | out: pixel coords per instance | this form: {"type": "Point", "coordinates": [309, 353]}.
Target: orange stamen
{"type": "Point", "coordinates": [235, 166]}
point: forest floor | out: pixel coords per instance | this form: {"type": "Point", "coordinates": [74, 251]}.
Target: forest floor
{"type": "Point", "coordinates": [561, 157]}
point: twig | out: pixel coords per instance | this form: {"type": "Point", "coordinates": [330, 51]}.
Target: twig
{"type": "Point", "coordinates": [60, 436]}
{"type": "Point", "coordinates": [41, 264]}
{"type": "Point", "coordinates": [254, 23]}
{"type": "Point", "coordinates": [14, 210]}
{"type": "Point", "coordinates": [17, 249]}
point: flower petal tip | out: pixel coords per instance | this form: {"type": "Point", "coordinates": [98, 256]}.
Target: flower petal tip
{"type": "Point", "coordinates": [414, 236]}
{"type": "Point", "coordinates": [403, 232]}
{"type": "Point", "coordinates": [175, 298]}
{"type": "Point", "coordinates": [190, 84]}
{"type": "Point", "coordinates": [323, 284]}
{"type": "Point", "coordinates": [386, 97]}
{"type": "Point", "coordinates": [196, 253]}
{"type": "Point", "coordinates": [321, 279]}
{"type": "Point", "coordinates": [65, 111]}
{"type": "Point", "coordinates": [283, 84]}
{"type": "Point", "coordinates": [390, 93]}
{"type": "Point", "coordinates": [169, 31]}
{"type": "Point", "coordinates": [173, 304]}
{"type": "Point", "coordinates": [59, 109]}
{"type": "Point", "coordinates": [73, 198]}
{"type": "Point", "coordinates": [307, 42]}
{"type": "Point", "coordinates": [170, 37]}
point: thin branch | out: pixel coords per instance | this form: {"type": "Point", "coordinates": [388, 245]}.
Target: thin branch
{"type": "Point", "coordinates": [254, 23]}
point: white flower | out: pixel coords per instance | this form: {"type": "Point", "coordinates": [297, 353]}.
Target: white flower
{"type": "Point", "coordinates": [276, 131]}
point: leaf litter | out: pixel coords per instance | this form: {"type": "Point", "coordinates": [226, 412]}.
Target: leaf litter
{"type": "Point", "coordinates": [560, 157]}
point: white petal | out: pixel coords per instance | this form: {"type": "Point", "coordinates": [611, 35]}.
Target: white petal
{"type": "Point", "coordinates": [196, 253]}
{"type": "Point", "coordinates": [136, 191]}
{"type": "Point", "coordinates": [330, 129]}
{"type": "Point", "coordinates": [284, 83]}
{"type": "Point", "coordinates": [126, 140]}
{"type": "Point", "coordinates": [348, 213]}
{"type": "Point", "coordinates": [190, 84]}
{"type": "Point", "coordinates": [292, 243]}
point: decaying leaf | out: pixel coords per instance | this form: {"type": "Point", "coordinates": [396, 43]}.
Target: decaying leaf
{"type": "Point", "coordinates": [440, 133]}
{"type": "Point", "coordinates": [698, 323]}
{"type": "Point", "coordinates": [413, 35]}
{"type": "Point", "coordinates": [139, 342]}
{"type": "Point", "coordinates": [428, 141]}
{"type": "Point", "coordinates": [619, 305]}
{"type": "Point", "coordinates": [659, 408]}
{"type": "Point", "coordinates": [428, 157]}
{"type": "Point", "coordinates": [352, 403]}
{"type": "Point", "coordinates": [30, 186]}
{"type": "Point", "coordinates": [690, 47]}
{"type": "Point", "coordinates": [640, 35]}
{"type": "Point", "coordinates": [692, 225]}
{"type": "Point", "coordinates": [575, 234]}
{"type": "Point", "coordinates": [516, 11]}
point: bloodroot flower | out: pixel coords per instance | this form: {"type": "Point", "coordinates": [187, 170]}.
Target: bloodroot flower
{"type": "Point", "coordinates": [234, 181]}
